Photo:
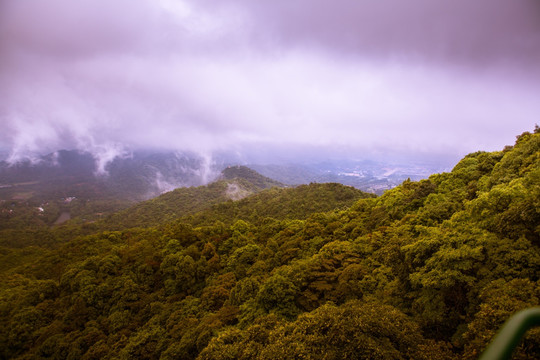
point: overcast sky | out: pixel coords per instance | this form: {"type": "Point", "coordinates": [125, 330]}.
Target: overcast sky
{"type": "Point", "coordinates": [347, 77]}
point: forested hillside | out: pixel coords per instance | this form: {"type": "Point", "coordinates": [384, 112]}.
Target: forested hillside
{"type": "Point", "coordinates": [428, 270]}
{"type": "Point", "coordinates": [235, 183]}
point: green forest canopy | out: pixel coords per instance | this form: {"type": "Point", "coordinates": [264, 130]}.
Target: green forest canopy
{"type": "Point", "coordinates": [428, 270]}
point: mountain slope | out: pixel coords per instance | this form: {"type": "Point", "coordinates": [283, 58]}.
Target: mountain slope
{"type": "Point", "coordinates": [237, 182]}
{"type": "Point", "coordinates": [298, 202]}
{"type": "Point", "coordinates": [429, 270]}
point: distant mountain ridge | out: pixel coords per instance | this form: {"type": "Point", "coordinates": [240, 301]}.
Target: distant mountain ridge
{"type": "Point", "coordinates": [140, 176]}
{"type": "Point", "coordinates": [244, 172]}
{"type": "Point", "coordinates": [366, 175]}
{"type": "Point", "coordinates": [99, 189]}
{"type": "Point", "coordinates": [234, 183]}
{"type": "Point", "coordinates": [214, 201]}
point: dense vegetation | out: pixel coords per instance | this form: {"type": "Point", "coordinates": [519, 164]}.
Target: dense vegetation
{"type": "Point", "coordinates": [428, 270]}
{"type": "Point", "coordinates": [235, 183]}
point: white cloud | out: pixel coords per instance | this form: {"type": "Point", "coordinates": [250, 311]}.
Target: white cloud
{"type": "Point", "coordinates": [105, 76]}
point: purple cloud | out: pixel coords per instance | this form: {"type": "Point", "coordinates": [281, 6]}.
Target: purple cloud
{"type": "Point", "coordinates": [417, 76]}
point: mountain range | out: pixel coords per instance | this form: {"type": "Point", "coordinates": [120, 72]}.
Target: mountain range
{"type": "Point", "coordinates": [248, 268]}
{"type": "Point", "coordinates": [143, 175]}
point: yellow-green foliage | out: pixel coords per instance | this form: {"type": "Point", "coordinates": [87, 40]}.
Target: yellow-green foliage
{"type": "Point", "coordinates": [429, 270]}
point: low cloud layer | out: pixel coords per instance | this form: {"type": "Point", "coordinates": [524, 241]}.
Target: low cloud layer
{"type": "Point", "coordinates": [359, 77]}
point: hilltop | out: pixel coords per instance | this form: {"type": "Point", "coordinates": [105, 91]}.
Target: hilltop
{"type": "Point", "coordinates": [234, 183]}
{"type": "Point", "coordinates": [243, 172]}
{"type": "Point", "coordinates": [239, 193]}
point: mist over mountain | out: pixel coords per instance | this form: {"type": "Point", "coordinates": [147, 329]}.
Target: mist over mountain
{"type": "Point", "coordinates": [141, 175]}
{"type": "Point", "coordinates": [137, 176]}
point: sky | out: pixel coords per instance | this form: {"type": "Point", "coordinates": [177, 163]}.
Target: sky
{"type": "Point", "coordinates": [274, 80]}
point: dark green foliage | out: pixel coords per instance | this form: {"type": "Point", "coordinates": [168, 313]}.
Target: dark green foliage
{"type": "Point", "coordinates": [214, 202]}
{"type": "Point", "coordinates": [290, 203]}
{"type": "Point", "coordinates": [355, 330]}
{"type": "Point", "coordinates": [429, 270]}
